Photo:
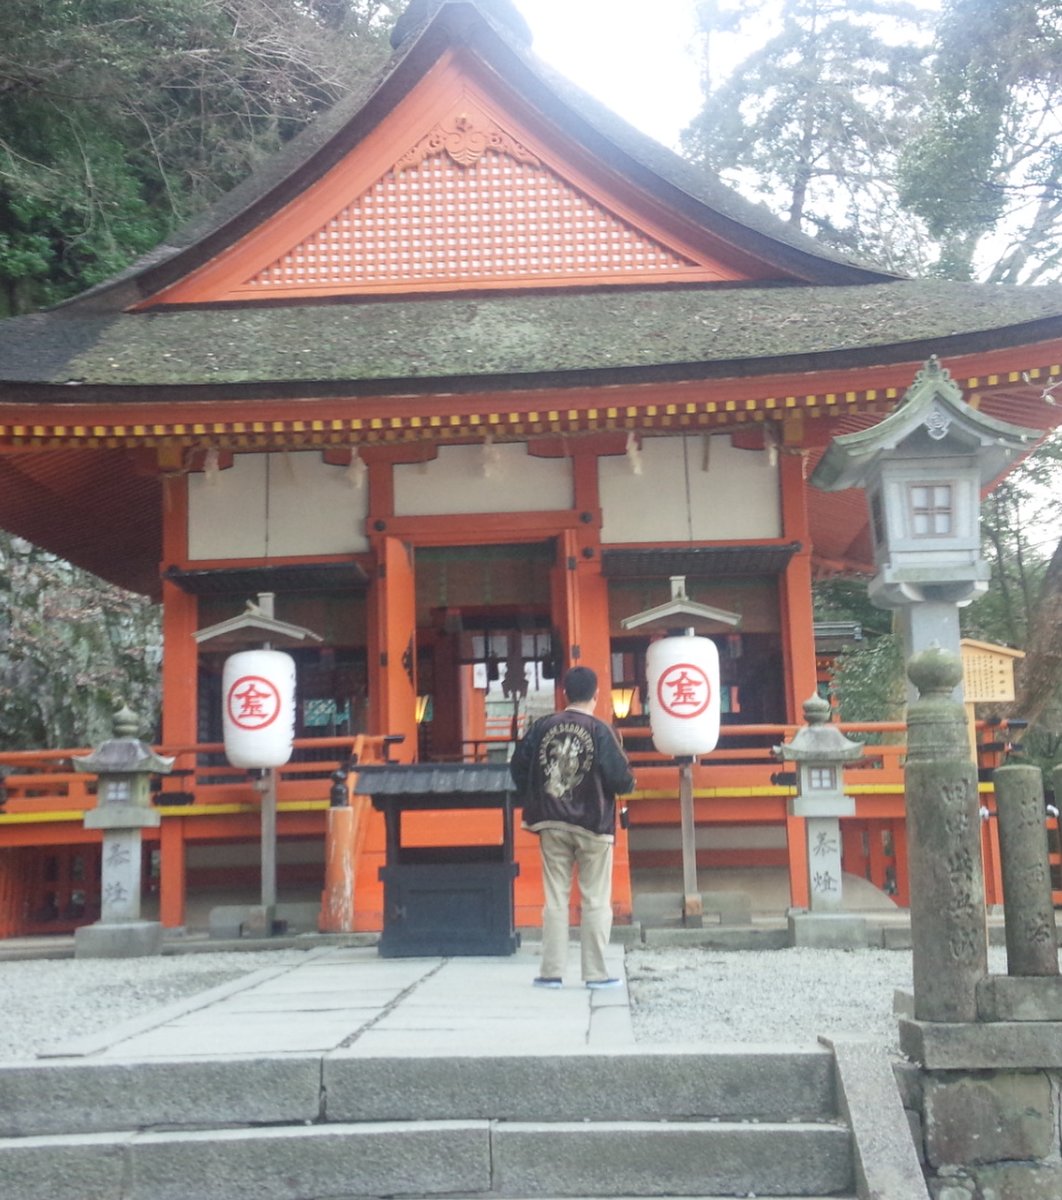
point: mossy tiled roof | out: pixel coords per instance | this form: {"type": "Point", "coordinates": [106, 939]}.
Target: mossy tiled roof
{"type": "Point", "coordinates": [523, 338]}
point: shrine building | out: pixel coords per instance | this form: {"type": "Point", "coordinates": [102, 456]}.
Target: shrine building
{"type": "Point", "coordinates": [462, 378]}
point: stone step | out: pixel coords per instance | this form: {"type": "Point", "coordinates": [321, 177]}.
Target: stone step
{"type": "Point", "coordinates": [645, 1158]}
{"type": "Point", "coordinates": [103, 1095]}
{"type": "Point", "coordinates": [480, 1159]}
{"type": "Point", "coordinates": [646, 1084]}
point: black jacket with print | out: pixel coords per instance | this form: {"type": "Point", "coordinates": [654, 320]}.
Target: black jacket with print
{"type": "Point", "coordinates": [569, 768]}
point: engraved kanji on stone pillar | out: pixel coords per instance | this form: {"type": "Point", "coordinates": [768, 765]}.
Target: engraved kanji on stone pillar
{"type": "Point", "coordinates": [1029, 914]}
{"type": "Point", "coordinates": [950, 944]}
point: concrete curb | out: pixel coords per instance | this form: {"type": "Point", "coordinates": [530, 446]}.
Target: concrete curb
{"type": "Point", "coordinates": [886, 1163]}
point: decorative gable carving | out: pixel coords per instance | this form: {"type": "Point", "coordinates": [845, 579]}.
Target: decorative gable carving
{"type": "Point", "coordinates": [465, 139]}
{"type": "Point", "coordinates": [492, 216]}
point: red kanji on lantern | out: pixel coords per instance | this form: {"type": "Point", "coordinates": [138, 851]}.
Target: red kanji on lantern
{"type": "Point", "coordinates": [253, 702]}
{"type": "Point", "coordinates": [683, 690]}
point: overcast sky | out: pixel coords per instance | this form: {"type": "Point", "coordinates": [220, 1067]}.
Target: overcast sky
{"type": "Point", "coordinates": [643, 57]}
{"type": "Point", "coordinates": [639, 57]}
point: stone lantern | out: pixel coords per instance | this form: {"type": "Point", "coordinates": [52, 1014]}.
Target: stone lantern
{"type": "Point", "coordinates": [923, 468]}
{"type": "Point", "coordinates": [820, 750]}
{"type": "Point", "coordinates": [123, 766]}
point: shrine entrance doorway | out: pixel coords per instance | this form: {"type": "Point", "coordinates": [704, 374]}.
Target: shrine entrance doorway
{"type": "Point", "coordinates": [488, 647]}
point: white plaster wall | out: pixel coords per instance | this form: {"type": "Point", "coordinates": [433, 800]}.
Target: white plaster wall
{"type": "Point", "coordinates": [738, 498]}
{"type": "Point", "coordinates": [274, 506]}
{"type": "Point", "coordinates": [454, 482]}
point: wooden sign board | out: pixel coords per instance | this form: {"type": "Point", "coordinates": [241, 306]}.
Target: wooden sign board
{"type": "Point", "coordinates": [987, 672]}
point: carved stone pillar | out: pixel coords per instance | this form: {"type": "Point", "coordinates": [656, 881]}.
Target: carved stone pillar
{"type": "Point", "coordinates": [1032, 940]}
{"type": "Point", "coordinates": [950, 944]}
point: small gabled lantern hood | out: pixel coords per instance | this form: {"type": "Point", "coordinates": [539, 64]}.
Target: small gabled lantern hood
{"type": "Point", "coordinates": [256, 624]}
{"type": "Point", "coordinates": [680, 612]}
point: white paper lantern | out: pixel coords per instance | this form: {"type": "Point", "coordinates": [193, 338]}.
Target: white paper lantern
{"type": "Point", "coordinates": [258, 708]}
{"type": "Point", "coordinates": [683, 677]}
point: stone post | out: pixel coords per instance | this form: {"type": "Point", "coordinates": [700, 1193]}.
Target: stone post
{"type": "Point", "coordinates": [1029, 915]}
{"type": "Point", "coordinates": [931, 623]}
{"type": "Point", "coordinates": [820, 751]}
{"type": "Point", "coordinates": [123, 767]}
{"type": "Point", "coordinates": [950, 943]}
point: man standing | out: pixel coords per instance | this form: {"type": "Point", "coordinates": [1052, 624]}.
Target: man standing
{"type": "Point", "coordinates": [568, 771]}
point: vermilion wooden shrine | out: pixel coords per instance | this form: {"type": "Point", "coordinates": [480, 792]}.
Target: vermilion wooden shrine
{"type": "Point", "coordinates": [463, 377]}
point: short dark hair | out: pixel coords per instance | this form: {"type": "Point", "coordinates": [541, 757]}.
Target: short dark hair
{"type": "Point", "coordinates": [580, 684]}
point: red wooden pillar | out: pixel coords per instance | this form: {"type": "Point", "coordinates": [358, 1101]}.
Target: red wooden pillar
{"type": "Point", "coordinates": [993, 866]}
{"type": "Point", "coordinates": [565, 601]}
{"type": "Point", "coordinates": [878, 859]}
{"type": "Point", "coordinates": [797, 842]}
{"type": "Point", "coordinates": [172, 891]}
{"type": "Point", "coordinates": [344, 842]}
{"type": "Point", "coordinates": [393, 647]}
{"type": "Point", "coordinates": [11, 899]}
{"type": "Point", "coordinates": [798, 631]}
{"type": "Point", "coordinates": [903, 880]}
{"type": "Point", "coordinates": [179, 623]}
{"type": "Point", "coordinates": [580, 608]}
{"type": "Point", "coordinates": [798, 622]}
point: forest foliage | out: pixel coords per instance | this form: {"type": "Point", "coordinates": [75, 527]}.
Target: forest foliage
{"type": "Point", "coordinates": [929, 141]}
{"type": "Point", "coordinates": [72, 649]}
{"type": "Point", "coordinates": [926, 139]}
{"type": "Point", "coordinates": [119, 121]}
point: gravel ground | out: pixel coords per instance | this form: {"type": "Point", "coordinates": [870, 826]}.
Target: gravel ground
{"type": "Point", "coordinates": [676, 994]}
{"type": "Point", "coordinates": [788, 996]}
{"type": "Point", "coordinates": [43, 1001]}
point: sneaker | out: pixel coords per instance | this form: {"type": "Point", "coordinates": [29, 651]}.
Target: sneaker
{"type": "Point", "coordinates": [547, 981]}
{"type": "Point", "coordinates": [604, 983]}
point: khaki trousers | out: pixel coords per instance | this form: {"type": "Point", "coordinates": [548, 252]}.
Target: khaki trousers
{"type": "Point", "coordinates": [563, 852]}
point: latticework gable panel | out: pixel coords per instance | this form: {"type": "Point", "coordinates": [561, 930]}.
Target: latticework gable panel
{"type": "Point", "coordinates": [497, 219]}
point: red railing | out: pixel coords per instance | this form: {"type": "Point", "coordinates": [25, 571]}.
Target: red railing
{"type": "Point", "coordinates": [43, 780]}
{"type": "Point", "coordinates": [742, 781]}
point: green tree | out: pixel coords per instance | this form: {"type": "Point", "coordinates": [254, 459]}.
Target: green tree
{"type": "Point", "coordinates": [868, 680]}
{"type": "Point", "coordinates": [813, 121]}
{"type": "Point", "coordinates": [1023, 605]}
{"type": "Point", "coordinates": [985, 170]}
{"type": "Point", "coordinates": [71, 648]}
{"type": "Point", "coordinates": [119, 121]}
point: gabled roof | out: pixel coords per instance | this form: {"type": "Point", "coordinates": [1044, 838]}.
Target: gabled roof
{"type": "Point", "coordinates": [519, 340]}
{"type": "Point", "coordinates": [507, 68]}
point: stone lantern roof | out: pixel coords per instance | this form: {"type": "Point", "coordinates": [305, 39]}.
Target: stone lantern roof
{"type": "Point", "coordinates": [934, 416]}
{"type": "Point", "coordinates": [124, 754]}
{"type": "Point", "coordinates": [819, 740]}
